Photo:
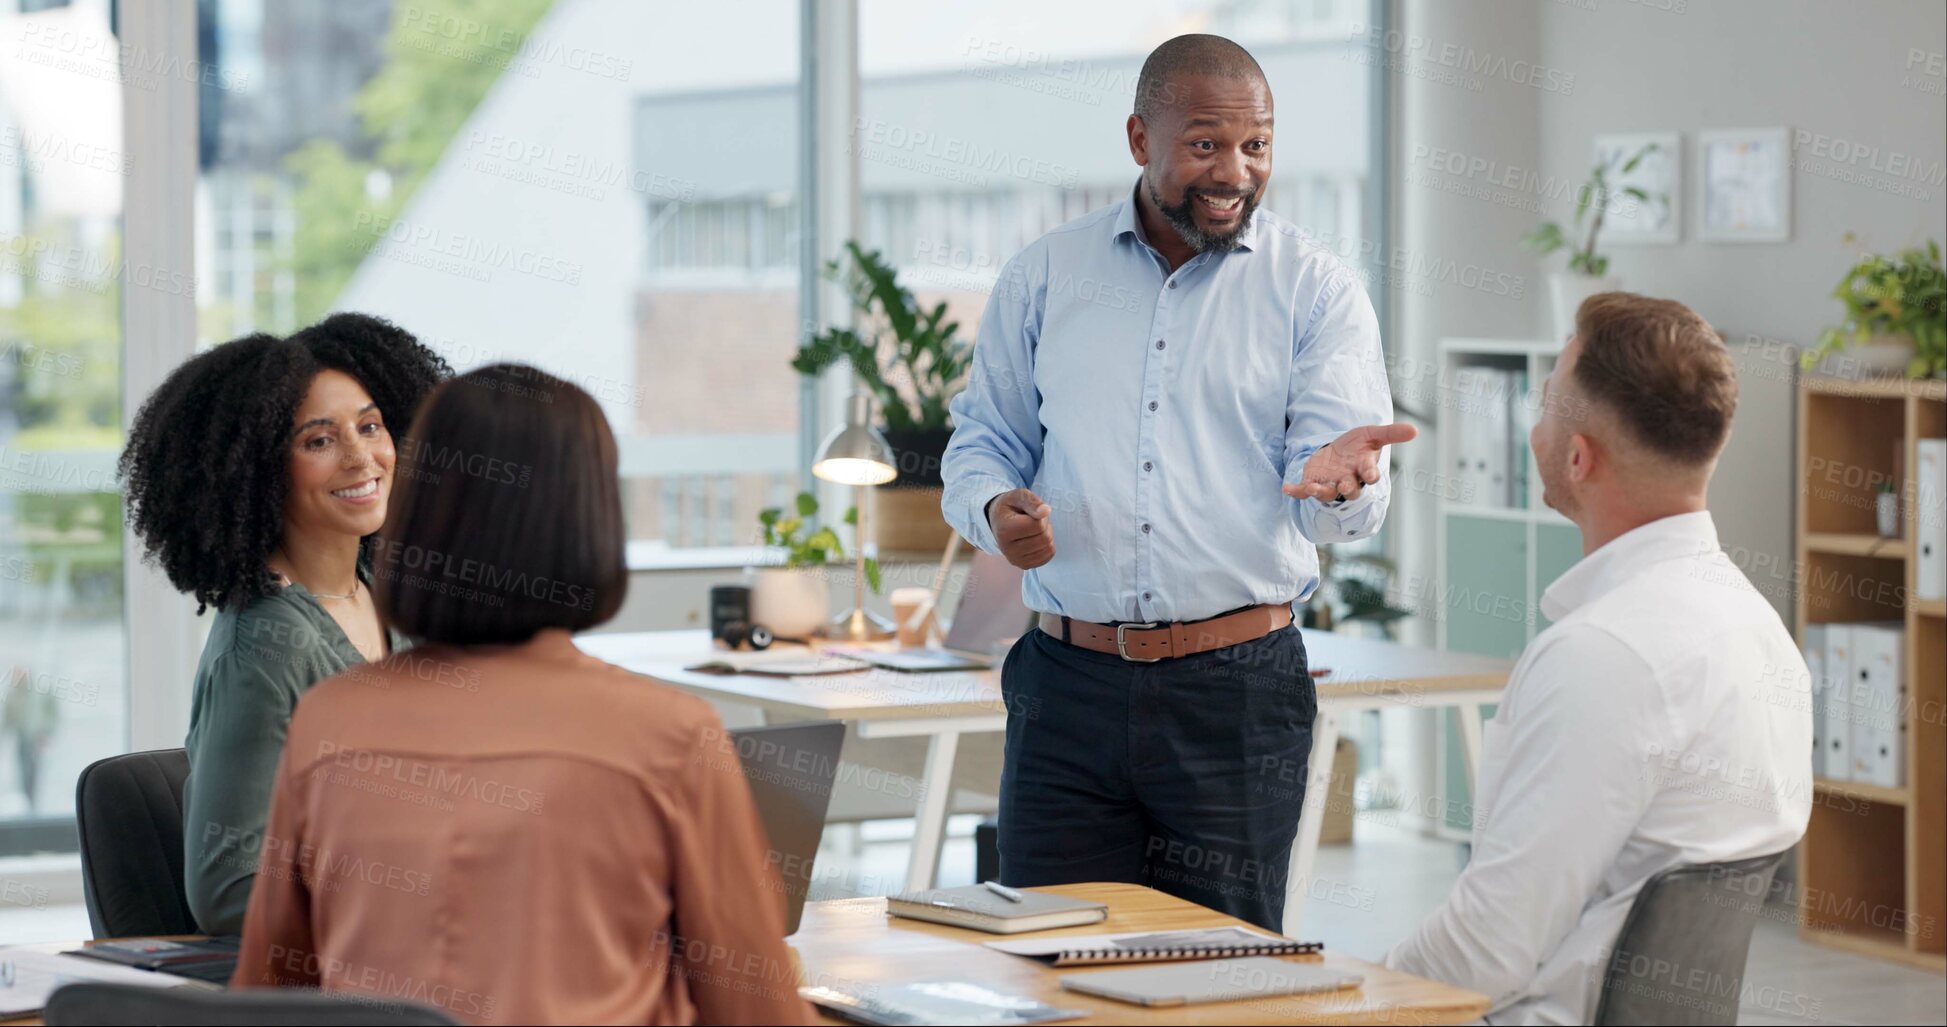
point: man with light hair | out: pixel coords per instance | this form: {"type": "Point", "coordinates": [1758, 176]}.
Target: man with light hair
{"type": "Point", "coordinates": [1664, 716]}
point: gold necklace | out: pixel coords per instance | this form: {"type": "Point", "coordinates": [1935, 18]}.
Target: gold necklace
{"type": "Point", "coordinates": [288, 580]}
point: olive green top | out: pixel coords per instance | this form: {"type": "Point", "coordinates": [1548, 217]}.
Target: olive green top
{"type": "Point", "coordinates": [259, 659]}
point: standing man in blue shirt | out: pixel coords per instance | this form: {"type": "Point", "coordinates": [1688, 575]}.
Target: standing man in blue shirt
{"type": "Point", "coordinates": [1172, 401]}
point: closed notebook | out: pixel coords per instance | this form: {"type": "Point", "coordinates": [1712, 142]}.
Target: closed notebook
{"type": "Point", "coordinates": [163, 953]}
{"type": "Point", "coordinates": [1155, 946]}
{"type": "Point", "coordinates": [1224, 980]}
{"type": "Point", "coordinates": [211, 959]}
{"type": "Point", "coordinates": [976, 907]}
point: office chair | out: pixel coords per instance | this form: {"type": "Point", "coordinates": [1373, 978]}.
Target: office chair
{"type": "Point", "coordinates": [129, 814]}
{"type": "Point", "coordinates": [111, 1004]}
{"type": "Point", "coordinates": [1679, 958]}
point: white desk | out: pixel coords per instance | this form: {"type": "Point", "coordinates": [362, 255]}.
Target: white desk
{"type": "Point", "coordinates": [1372, 674]}
{"type": "Point", "coordinates": [881, 703]}
{"type": "Point", "coordinates": [1366, 674]}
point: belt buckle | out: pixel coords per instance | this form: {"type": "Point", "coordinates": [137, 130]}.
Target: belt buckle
{"type": "Point", "coordinates": [1122, 642]}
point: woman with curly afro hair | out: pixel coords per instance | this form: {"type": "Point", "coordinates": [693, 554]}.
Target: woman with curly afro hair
{"type": "Point", "coordinates": [257, 477]}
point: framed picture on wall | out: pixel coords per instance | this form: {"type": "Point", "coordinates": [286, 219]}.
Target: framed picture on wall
{"type": "Point", "coordinates": [1744, 180]}
{"type": "Point", "coordinates": [1656, 216]}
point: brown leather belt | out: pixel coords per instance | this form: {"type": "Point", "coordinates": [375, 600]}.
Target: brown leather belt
{"type": "Point", "coordinates": [1149, 642]}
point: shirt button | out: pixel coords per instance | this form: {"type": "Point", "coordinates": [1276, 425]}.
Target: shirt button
{"type": "Point", "coordinates": [1145, 529]}
{"type": "Point", "coordinates": [1159, 344]}
{"type": "Point", "coordinates": [1152, 404]}
{"type": "Point", "coordinates": [1172, 283]}
{"type": "Point", "coordinates": [1145, 595]}
{"type": "Point", "coordinates": [1147, 466]}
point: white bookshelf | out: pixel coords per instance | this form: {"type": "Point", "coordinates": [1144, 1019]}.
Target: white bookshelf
{"type": "Point", "coordinates": [1493, 558]}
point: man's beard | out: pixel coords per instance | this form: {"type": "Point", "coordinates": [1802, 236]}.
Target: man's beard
{"type": "Point", "coordinates": [1185, 223]}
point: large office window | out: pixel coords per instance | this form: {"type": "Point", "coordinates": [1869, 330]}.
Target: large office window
{"type": "Point", "coordinates": [604, 188]}
{"type": "Point", "coordinates": [63, 694]}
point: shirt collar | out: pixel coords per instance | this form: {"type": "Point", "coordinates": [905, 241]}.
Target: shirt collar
{"type": "Point", "coordinates": [1627, 555]}
{"type": "Point", "coordinates": [1128, 221]}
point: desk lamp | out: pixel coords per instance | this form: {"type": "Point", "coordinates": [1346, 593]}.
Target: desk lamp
{"type": "Point", "coordinates": [857, 455]}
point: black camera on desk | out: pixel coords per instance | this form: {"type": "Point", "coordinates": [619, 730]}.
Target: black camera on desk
{"type": "Point", "coordinates": [730, 619]}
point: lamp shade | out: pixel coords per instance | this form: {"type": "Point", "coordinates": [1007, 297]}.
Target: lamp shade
{"type": "Point", "coordinates": [856, 454]}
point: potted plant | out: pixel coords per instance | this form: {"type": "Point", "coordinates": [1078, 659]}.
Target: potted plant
{"type": "Point", "coordinates": [1359, 583]}
{"type": "Point", "coordinates": [908, 357]}
{"type": "Point", "coordinates": [1896, 316]}
{"type": "Point", "coordinates": [787, 599]}
{"type": "Point", "coordinates": [1588, 271]}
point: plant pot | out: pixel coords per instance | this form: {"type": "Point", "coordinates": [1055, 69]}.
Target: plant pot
{"type": "Point", "coordinates": [792, 601]}
{"type": "Point", "coordinates": [1889, 514]}
{"type": "Point", "coordinates": [917, 454]}
{"type": "Point", "coordinates": [1878, 355]}
{"type": "Point", "coordinates": [908, 521]}
{"type": "Point", "coordinates": [1566, 292]}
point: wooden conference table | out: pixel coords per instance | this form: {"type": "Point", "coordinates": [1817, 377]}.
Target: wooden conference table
{"type": "Point", "coordinates": [1365, 674]}
{"type": "Point", "coordinates": [852, 943]}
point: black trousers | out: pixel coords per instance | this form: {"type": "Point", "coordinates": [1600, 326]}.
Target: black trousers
{"type": "Point", "coordinates": [1185, 775]}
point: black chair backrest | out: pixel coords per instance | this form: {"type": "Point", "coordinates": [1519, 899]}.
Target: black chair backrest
{"type": "Point", "coordinates": [115, 1004]}
{"type": "Point", "coordinates": [129, 814]}
{"type": "Point", "coordinates": [1679, 958]}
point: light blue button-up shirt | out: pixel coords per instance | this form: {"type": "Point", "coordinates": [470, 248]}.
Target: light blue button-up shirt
{"type": "Point", "coordinates": [1158, 414]}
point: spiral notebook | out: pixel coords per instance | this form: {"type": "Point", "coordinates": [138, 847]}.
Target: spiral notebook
{"type": "Point", "coordinates": [1155, 947]}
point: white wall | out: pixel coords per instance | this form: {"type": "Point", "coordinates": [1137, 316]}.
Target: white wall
{"type": "Point", "coordinates": [1837, 75]}
{"type": "Point", "coordinates": [1854, 72]}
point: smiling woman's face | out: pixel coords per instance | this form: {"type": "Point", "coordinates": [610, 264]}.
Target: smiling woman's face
{"type": "Point", "coordinates": [341, 460]}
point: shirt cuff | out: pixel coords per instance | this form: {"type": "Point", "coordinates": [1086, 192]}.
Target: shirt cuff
{"type": "Point", "coordinates": [1342, 508]}
{"type": "Point", "coordinates": [1342, 521]}
{"type": "Point", "coordinates": [969, 500]}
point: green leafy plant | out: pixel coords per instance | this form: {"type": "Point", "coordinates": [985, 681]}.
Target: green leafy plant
{"type": "Point", "coordinates": [895, 342]}
{"type": "Point", "coordinates": [1591, 205]}
{"type": "Point", "coordinates": [1900, 295]}
{"type": "Point", "coordinates": [1353, 588]}
{"type": "Point", "coordinates": [805, 546]}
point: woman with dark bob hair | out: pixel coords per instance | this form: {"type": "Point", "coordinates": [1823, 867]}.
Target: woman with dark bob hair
{"type": "Point", "coordinates": [556, 840]}
{"type": "Point", "coordinates": [257, 477]}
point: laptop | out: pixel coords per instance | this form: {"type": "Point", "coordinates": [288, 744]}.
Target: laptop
{"type": "Point", "coordinates": [990, 617]}
{"type": "Point", "coordinates": [791, 768]}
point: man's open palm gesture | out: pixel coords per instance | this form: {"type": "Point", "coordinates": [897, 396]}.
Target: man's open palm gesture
{"type": "Point", "coordinates": [1342, 468]}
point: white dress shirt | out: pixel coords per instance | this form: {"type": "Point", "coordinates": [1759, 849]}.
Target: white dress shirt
{"type": "Point", "coordinates": [1664, 718]}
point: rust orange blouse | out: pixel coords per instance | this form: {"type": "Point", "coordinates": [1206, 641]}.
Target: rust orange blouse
{"type": "Point", "coordinates": [519, 834]}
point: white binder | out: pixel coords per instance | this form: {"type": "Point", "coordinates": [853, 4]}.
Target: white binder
{"type": "Point", "coordinates": [1930, 517]}
{"type": "Point", "coordinates": [1838, 711]}
{"type": "Point", "coordinates": [1481, 436]}
{"type": "Point", "coordinates": [1813, 646]}
{"type": "Point", "coordinates": [1878, 704]}
{"type": "Point", "coordinates": [1498, 438]}
{"type": "Point", "coordinates": [1464, 436]}
{"type": "Point", "coordinates": [1522, 410]}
